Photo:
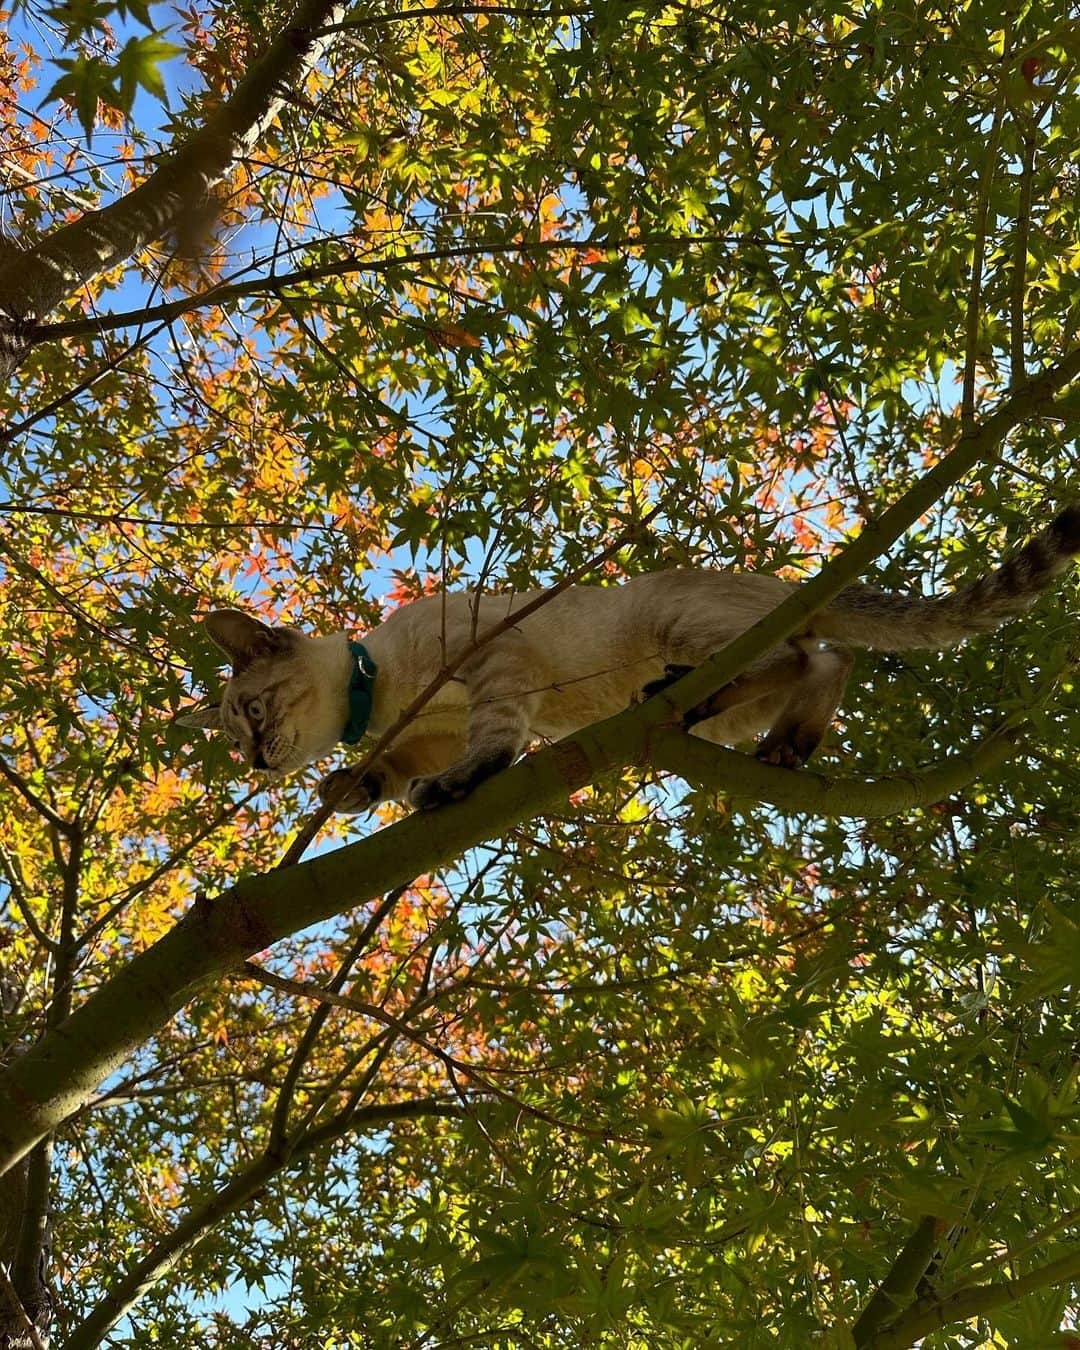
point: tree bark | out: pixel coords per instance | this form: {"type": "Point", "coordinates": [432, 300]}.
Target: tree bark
{"type": "Point", "coordinates": [924, 1318]}
{"type": "Point", "coordinates": [60, 1074]}
{"type": "Point", "coordinates": [898, 1287]}
{"type": "Point", "coordinates": [34, 1303]}
{"type": "Point", "coordinates": [742, 778]}
{"type": "Point", "coordinates": [35, 280]}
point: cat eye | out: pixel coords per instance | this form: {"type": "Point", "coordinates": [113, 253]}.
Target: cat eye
{"type": "Point", "coordinates": [256, 710]}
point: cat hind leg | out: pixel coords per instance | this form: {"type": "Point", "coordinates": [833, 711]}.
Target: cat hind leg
{"type": "Point", "coordinates": [770, 674]}
{"type": "Point", "coordinates": [812, 679]}
{"type": "Point", "coordinates": [777, 670]}
{"type": "Point", "coordinates": [809, 712]}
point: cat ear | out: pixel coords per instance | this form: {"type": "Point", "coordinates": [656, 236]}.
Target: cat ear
{"type": "Point", "coordinates": [241, 637]}
{"type": "Point", "coordinates": [209, 718]}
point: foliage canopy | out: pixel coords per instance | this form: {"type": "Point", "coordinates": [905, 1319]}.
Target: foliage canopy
{"type": "Point", "coordinates": [384, 300]}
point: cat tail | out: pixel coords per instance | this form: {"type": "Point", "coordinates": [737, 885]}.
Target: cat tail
{"type": "Point", "coordinates": [867, 617]}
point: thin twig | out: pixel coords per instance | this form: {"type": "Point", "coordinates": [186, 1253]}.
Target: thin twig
{"type": "Point", "coordinates": [19, 783]}
{"type": "Point", "coordinates": [167, 865]}
{"type": "Point", "coordinates": [244, 1187]}
{"type": "Point", "coordinates": [302, 990]}
{"type": "Point", "coordinates": [22, 902]}
{"type": "Point", "coordinates": [61, 400]}
{"type": "Point", "coordinates": [451, 11]}
{"type": "Point", "coordinates": [109, 518]}
{"type": "Point", "coordinates": [280, 1121]}
{"type": "Point", "coordinates": [226, 292]}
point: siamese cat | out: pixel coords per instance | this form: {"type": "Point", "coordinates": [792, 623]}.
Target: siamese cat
{"type": "Point", "coordinates": [584, 655]}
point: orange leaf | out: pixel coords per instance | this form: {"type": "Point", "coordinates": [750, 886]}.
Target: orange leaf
{"type": "Point", "coordinates": [450, 335]}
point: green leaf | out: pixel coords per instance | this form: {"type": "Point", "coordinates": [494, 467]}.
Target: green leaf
{"type": "Point", "coordinates": [139, 64]}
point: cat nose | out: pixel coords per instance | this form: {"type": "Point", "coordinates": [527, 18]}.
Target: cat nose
{"type": "Point", "coordinates": [260, 760]}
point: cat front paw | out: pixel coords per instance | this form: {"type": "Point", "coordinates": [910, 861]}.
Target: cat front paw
{"type": "Point", "coordinates": [434, 790]}
{"type": "Point", "coordinates": [456, 782]}
{"type": "Point", "coordinates": [348, 790]}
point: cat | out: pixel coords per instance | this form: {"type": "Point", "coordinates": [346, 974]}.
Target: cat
{"type": "Point", "coordinates": [585, 654]}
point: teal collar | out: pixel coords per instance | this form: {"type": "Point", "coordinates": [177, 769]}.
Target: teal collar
{"type": "Point", "coordinates": [361, 686]}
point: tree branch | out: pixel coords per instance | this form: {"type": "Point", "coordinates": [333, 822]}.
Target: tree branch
{"type": "Point", "coordinates": [974, 298]}
{"type": "Point", "coordinates": [322, 994]}
{"type": "Point", "coordinates": [22, 1317]}
{"type": "Point", "coordinates": [23, 788]}
{"type": "Point", "coordinates": [28, 1269]}
{"type": "Point", "coordinates": [280, 1121]}
{"type": "Point", "coordinates": [455, 11]}
{"type": "Point", "coordinates": [791, 615]}
{"type": "Point", "coordinates": [1017, 365]}
{"type": "Point", "coordinates": [742, 777]}
{"type": "Point", "coordinates": [11, 354]}
{"type": "Point", "coordinates": [900, 1282]}
{"type": "Point", "coordinates": [39, 278]}
{"type": "Point", "coordinates": [158, 522]}
{"type": "Point", "coordinates": [22, 901]}
{"type": "Point", "coordinates": [59, 1074]}
{"type": "Point", "coordinates": [971, 1301]}
{"type": "Point", "coordinates": [166, 865]}
{"type": "Point", "coordinates": [226, 292]}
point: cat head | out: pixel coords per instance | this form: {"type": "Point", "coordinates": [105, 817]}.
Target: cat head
{"type": "Point", "coordinates": [287, 701]}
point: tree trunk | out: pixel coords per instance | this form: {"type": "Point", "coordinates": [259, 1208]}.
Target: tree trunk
{"type": "Point", "coordinates": [26, 1280]}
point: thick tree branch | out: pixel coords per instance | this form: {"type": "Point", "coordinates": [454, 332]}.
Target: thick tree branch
{"type": "Point", "coordinates": [22, 1317]}
{"type": "Point", "coordinates": [60, 1073]}
{"type": "Point", "coordinates": [971, 1301]}
{"type": "Point", "coordinates": [740, 777]}
{"type": "Point", "coordinates": [899, 1284]}
{"type": "Point", "coordinates": [36, 280]}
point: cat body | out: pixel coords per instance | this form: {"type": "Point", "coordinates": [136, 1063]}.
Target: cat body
{"type": "Point", "coordinates": [584, 654]}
